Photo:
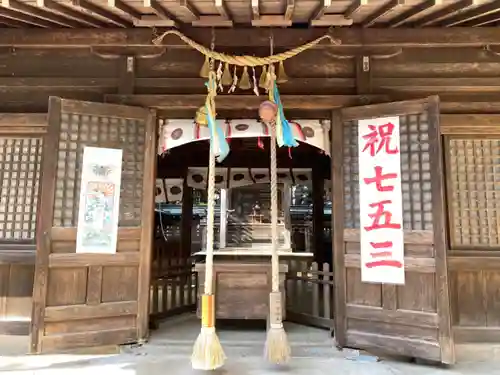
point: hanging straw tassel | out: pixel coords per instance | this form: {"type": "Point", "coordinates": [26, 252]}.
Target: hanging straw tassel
{"type": "Point", "coordinates": [226, 76]}
{"type": "Point", "coordinates": [263, 78]}
{"type": "Point", "coordinates": [277, 349]}
{"type": "Point", "coordinates": [245, 80]}
{"type": "Point", "coordinates": [205, 69]}
{"type": "Point", "coordinates": [207, 351]}
{"type": "Point", "coordinates": [282, 77]}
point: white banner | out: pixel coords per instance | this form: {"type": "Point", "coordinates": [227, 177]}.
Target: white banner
{"type": "Point", "coordinates": [380, 201]}
{"type": "Point", "coordinates": [98, 214]}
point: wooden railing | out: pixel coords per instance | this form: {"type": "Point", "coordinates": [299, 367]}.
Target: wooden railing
{"type": "Point", "coordinates": [310, 294]}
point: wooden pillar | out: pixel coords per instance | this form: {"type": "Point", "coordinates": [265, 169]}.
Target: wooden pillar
{"type": "Point", "coordinates": [318, 186]}
{"type": "Point", "coordinates": [223, 218]}
{"type": "Point", "coordinates": [363, 75]}
{"type": "Point", "coordinates": [286, 201]}
{"type": "Point", "coordinates": [126, 79]}
{"type": "Point", "coordinates": [186, 220]}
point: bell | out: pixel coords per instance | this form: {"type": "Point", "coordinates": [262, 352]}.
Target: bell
{"type": "Point", "coordinates": [268, 111]}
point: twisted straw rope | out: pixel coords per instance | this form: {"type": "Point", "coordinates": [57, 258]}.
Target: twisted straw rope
{"type": "Point", "coordinates": [274, 213]}
{"type": "Point", "coordinates": [244, 60]}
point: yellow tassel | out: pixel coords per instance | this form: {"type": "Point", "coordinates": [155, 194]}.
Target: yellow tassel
{"type": "Point", "coordinates": [226, 76]}
{"type": "Point", "coordinates": [263, 78]}
{"type": "Point", "coordinates": [282, 77]}
{"type": "Point", "coordinates": [245, 80]}
{"type": "Point", "coordinates": [205, 69]}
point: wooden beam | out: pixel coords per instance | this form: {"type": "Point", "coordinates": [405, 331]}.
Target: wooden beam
{"type": "Point", "coordinates": [193, 102]}
{"type": "Point", "coordinates": [271, 21]}
{"type": "Point", "coordinates": [106, 14]}
{"type": "Point", "coordinates": [125, 8]}
{"type": "Point", "coordinates": [354, 7]}
{"type": "Point", "coordinates": [70, 13]}
{"type": "Point", "coordinates": [212, 21]}
{"type": "Point", "coordinates": [255, 38]}
{"type": "Point", "coordinates": [39, 13]}
{"type": "Point", "coordinates": [446, 12]}
{"type": "Point", "coordinates": [412, 12]}
{"type": "Point", "coordinates": [320, 10]}
{"type": "Point", "coordinates": [222, 9]}
{"type": "Point", "coordinates": [13, 23]}
{"type": "Point", "coordinates": [289, 9]}
{"type": "Point", "coordinates": [255, 10]}
{"type": "Point", "coordinates": [160, 11]}
{"type": "Point", "coordinates": [381, 12]}
{"type": "Point", "coordinates": [483, 21]}
{"type": "Point", "coordinates": [189, 8]}
{"type": "Point", "coordinates": [480, 11]}
{"type": "Point", "coordinates": [24, 18]}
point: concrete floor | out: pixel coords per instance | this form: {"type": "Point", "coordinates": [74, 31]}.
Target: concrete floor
{"type": "Point", "coordinates": [168, 353]}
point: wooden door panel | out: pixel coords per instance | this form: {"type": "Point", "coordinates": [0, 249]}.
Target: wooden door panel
{"type": "Point", "coordinates": [411, 319]}
{"type": "Point", "coordinates": [92, 299]}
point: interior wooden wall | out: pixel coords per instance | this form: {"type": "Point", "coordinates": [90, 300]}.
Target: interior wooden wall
{"type": "Point", "coordinates": [465, 78]}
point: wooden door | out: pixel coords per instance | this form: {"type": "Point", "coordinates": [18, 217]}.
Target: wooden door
{"type": "Point", "coordinates": [414, 319]}
{"type": "Point", "coordinates": [84, 300]}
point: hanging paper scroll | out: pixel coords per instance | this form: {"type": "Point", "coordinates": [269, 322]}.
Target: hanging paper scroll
{"type": "Point", "coordinates": [380, 201]}
{"type": "Point", "coordinates": [97, 230]}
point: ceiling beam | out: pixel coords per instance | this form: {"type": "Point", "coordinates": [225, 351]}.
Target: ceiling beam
{"type": "Point", "coordinates": [252, 102]}
{"type": "Point", "coordinates": [189, 8]}
{"type": "Point", "coordinates": [320, 10]}
{"type": "Point", "coordinates": [446, 12]}
{"type": "Point", "coordinates": [255, 10]}
{"type": "Point", "coordinates": [354, 8]}
{"type": "Point", "coordinates": [289, 9]}
{"type": "Point", "coordinates": [480, 11]}
{"type": "Point", "coordinates": [21, 17]}
{"type": "Point", "coordinates": [125, 8]}
{"type": "Point", "coordinates": [412, 12]}
{"type": "Point", "coordinates": [222, 9]}
{"type": "Point", "coordinates": [160, 11]}
{"type": "Point", "coordinates": [484, 20]}
{"type": "Point", "coordinates": [104, 13]}
{"type": "Point", "coordinates": [13, 23]}
{"type": "Point", "coordinates": [70, 13]}
{"type": "Point", "coordinates": [256, 38]}
{"type": "Point", "coordinates": [381, 12]}
{"type": "Point", "coordinates": [40, 13]}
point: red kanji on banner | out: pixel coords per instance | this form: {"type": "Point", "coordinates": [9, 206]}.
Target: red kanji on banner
{"type": "Point", "coordinates": [385, 262]}
{"type": "Point", "coordinates": [380, 135]}
{"type": "Point", "coordinates": [379, 178]}
{"type": "Point", "coordinates": [380, 214]}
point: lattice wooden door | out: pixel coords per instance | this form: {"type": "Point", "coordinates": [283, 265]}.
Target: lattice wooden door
{"type": "Point", "coordinates": [412, 319]}
{"type": "Point", "coordinates": [92, 299]}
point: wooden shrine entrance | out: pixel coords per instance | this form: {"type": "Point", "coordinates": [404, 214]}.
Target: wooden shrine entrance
{"type": "Point", "coordinates": [89, 300]}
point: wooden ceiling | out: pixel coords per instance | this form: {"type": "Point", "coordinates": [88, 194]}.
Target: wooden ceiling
{"type": "Point", "coordinates": [257, 13]}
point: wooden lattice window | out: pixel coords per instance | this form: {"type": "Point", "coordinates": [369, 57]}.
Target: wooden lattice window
{"type": "Point", "coordinates": [473, 174]}
{"type": "Point", "coordinates": [20, 160]}
{"type": "Point", "coordinates": [78, 131]}
{"type": "Point", "coordinates": [415, 173]}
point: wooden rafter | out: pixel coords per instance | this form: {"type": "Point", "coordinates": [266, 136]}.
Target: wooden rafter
{"type": "Point", "coordinates": [70, 13]}
{"type": "Point", "coordinates": [289, 9]}
{"type": "Point", "coordinates": [486, 20]}
{"type": "Point", "coordinates": [106, 14]}
{"type": "Point", "coordinates": [255, 10]}
{"type": "Point", "coordinates": [320, 10]}
{"type": "Point", "coordinates": [40, 13]}
{"type": "Point", "coordinates": [446, 12]}
{"type": "Point", "coordinates": [21, 17]}
{"type": "Point", "coordinates": [412, 12]}
{"type": "Point", "coordinates": [189, 8]}
{"type": "Point", "coordinates": [125, 8]}
{"type": "Point", "coordinates": [480, 11]}
{"type": "Point", "coordinates": [9, 22]}
{"type": "Point", "coordinates": [222, 9]}
{"type": "Point", "coordinates": [381, 12]}
{"type": "Point", "coordinates": [160, 10]}
{"type": "Point", "coordinates": [354, 8]}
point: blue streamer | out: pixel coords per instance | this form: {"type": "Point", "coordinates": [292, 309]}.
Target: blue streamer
{"type": "Point", "coordinates": [288, 138]}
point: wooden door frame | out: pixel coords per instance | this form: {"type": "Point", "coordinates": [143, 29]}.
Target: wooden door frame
{"type": "Point", "coordinates": [339, 116]}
